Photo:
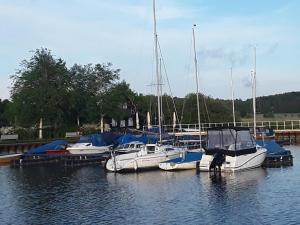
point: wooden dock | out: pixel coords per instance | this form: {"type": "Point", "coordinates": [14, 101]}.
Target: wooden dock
{"type": "Point", "coordinates": [63, 160]}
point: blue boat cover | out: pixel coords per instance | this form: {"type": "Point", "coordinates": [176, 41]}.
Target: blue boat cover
{"type": "Point", "coordinates": [126, 138]}
{"type": "Point", "coordinates": [189, 157]}
{"type": "Point", "coordinates": [102, 139]}
{"type": "Point", "coordinates": [273, 148]}
{"type": "Point", "coordinates": [55, 145]}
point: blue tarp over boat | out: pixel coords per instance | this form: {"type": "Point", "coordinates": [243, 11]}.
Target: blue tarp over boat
{"type": "Point", "coordinates": [126, 138]}
{"type": "Point", "coordinates": [273, 148]}
{"type": "Point", "coordinates": [55, 145]}
{"type": "Point", "coordinates": [102, 139]}
{"type": "Point", "coordinates": [188, 157]}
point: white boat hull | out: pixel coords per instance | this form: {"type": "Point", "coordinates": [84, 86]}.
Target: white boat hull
{"type": "Point", "coordinates": [5, 159]}
{"type": "Point", "coordinates": [83, 149]}
{"type": "Point", "coordinates": [134, 161]}
{"type": "Point", "coordinates": [168, 166]}
{"type": "Point", "coordinates": [236, 163]}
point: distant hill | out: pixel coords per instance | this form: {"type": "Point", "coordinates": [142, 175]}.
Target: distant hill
{"type": "Point", "coordinates": [270, 105]}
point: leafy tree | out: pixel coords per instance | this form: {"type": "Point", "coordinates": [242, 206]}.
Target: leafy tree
{"type": "Point", "coordinates": [89, 85]}
{"type": "Point", "coordinates": [39, 89]}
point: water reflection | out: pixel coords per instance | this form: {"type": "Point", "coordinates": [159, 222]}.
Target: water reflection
{"type": "Point", "coordinates": [89, 195]}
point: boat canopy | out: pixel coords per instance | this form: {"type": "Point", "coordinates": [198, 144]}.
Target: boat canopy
{"type": "Point", "coordinates": [54, 145]}
{"type": "Point", "coordinates": [232, 141]}
{"type": "Point", "coordinates": [273, 148]}
{"type": "Point", "coordinates": [126, 138]}
{"type": "Point", "coordinates": [102, 139]}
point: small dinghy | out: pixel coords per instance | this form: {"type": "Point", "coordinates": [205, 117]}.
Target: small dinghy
{"type": "Point", "coordinates": [187, 161]}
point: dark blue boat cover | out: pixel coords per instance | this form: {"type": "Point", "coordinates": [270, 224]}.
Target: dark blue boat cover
{"type": "Point", "coordinates": [188, 157]}
{"type": "Point", "coordinates": [55, 145]}
{"type": "Point", "coordinates": [126, 138]}
{"type": "Point", "coordinates": [273, 148]}
{"type": "Point", "coordinates": [102, 139]}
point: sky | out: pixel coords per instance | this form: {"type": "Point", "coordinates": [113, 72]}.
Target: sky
{"type": "Point", "coordinates": [121, 32]}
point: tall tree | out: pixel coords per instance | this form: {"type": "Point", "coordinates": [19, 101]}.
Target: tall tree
{"type": "Point", "coordinates": [39, 89]}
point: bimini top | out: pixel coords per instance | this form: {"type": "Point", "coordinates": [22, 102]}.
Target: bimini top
{"type": "Point", "coordinates": [232, 141]}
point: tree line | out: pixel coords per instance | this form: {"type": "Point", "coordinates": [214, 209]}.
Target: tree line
{"type": "Point", "coordinates": [65, 98]}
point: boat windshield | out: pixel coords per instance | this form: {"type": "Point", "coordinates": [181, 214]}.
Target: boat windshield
{"type": "Point", "coordinates": [150, 149]}
{"type": "Point", "coordinates": [230, 139]}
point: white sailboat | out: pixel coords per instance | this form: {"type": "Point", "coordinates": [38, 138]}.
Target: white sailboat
{"type": "Point", "coordinates": [151, 154]}
{"type": "Point", "coordinates": [188, 159]}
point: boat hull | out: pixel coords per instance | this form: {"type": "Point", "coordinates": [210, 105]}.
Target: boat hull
{"type": "Point", "coordinates": [87, 150]}
{"type": "Point", "coordinates": [134, 161]}
{"type": "Point", "coordinates": [5, 159]}
{"type": "Point", "coordinates": [187, 162]}
{"type": "Point", "coordinates": [236, 163]}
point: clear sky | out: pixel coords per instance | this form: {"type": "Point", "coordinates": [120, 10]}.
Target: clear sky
{"type": "Point", "coordinates": [120, 31]}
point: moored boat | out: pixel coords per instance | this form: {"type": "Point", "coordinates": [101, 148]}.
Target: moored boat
{"type": "Point", "coordinates": [148, 157]}
{"type": "Point", "coordinates": [91, 145]}
{"type": "Point", "coordinates": [186, 161]}
{"type": "Point", "coordinates": [130, 147]}
{"type": "Point", "coordinates": [5, 159]}
{"type": "Point", "coordinates": [231, 149]}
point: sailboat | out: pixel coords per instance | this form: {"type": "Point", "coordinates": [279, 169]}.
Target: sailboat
{"type": "Point", "coordinates": [233, 148]}
{"type": "Point", "coordinates": [150, 155]}
{"type": "Point", "coordinates": [188, 159]}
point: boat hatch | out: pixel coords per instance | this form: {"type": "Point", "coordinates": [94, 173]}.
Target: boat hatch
{"type": "Point", "coordinates": [230, 141]}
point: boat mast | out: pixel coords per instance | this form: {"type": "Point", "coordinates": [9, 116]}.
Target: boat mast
{"type": "Point", "coordinates": [232, 97]}
{"type": "Point", "coordinates": [254, 92]}
{"type": "Point", "coordinates": [197, 86]}
{"type": "Point", "coordinates": [157, 73]}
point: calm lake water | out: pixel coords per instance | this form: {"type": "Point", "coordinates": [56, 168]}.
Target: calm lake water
{"type": "Point", "coordinates": [88, 195]}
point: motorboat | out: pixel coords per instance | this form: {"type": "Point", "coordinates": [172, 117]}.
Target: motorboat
{"type": "Point", "coordinates": [130, 147]}
{"type": "Point", "coordinates": [90, 145]}
{"type": "Point", "coordinates": [87, 149]}
{"type": "Point", "coordinates": [5, 159]}
{"type": "Point", "coordinates": [231, 149]}
{"type": "Point", "coordinates": [148, 157]}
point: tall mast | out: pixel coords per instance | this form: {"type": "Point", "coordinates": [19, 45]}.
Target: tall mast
{"type": "Point", "coordinates": [254, 92]}
{"type": "Point", "coordinates": [160, 93]}
{"type": "Point", "coordinates": [232, 97]}
{"type": "Point", "coordinates": [157, 73]}
{"type": "Point", "coordinates": [197, 86]}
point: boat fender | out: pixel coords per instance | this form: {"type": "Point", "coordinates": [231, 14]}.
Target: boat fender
{"type": "Point", "coordinates": [135, 164]}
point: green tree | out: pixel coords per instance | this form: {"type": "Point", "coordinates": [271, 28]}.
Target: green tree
{"type": "Point", "coordinates": [39, 89]}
